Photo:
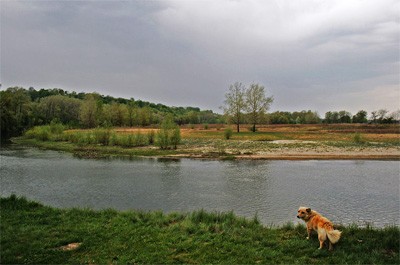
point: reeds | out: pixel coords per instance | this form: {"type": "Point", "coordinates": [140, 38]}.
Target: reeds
{"type": "Point", "coordinates": [98, 136]}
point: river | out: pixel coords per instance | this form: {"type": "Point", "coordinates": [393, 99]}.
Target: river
{"type": "Point", "coordinates": [346, 192]}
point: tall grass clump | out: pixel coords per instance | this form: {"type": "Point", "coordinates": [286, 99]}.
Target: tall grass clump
{"type": "Point", "coordinates": [128, 140]}
{"type": "Point", "coordinates": [140, 140]}
{"type": "Point", "coordinates": [102, 136]}
{"type": "Point", "coordinates": [358, 138]}
{"type": "Point", "coordinates": [151, 137]}
{"type": "Point", "coordinates": [125, 140]}
{"type": "Point", "coordinates": [54, 131]}
{"type": "Point", "coordinates": [42, 133]}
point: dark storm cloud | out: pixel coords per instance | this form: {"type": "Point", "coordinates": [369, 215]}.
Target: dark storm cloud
{"type": "Point", "coordinates": [319, 55]}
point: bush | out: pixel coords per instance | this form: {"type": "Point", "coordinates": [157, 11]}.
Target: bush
{"type": "Point", "coordinates": [56, 128]}
{"type": "Point", "coordinates": [41, 133]}
{"type": "Point", "coordinates": [176, 137]}
{"type": "Point", "coordinates": [102, 136]}
{"type": "Point", "coordinates": [169, 135]}
{"type": "Point", "coordinates": [125, 140]}
{"type": "Point", "coordinates": [140, 140]}
{"type": "Point", "coordinates": [114, 139]}
{"type": "Point", "coordinates": [358, 138]}
{"type": "Point", "coordinates": [228, 133]}
{"type": "Point", "coordinates": [163, 139]}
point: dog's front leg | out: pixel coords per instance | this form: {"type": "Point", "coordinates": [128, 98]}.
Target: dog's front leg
{"type": "Point", "coordinates": [309, 230]}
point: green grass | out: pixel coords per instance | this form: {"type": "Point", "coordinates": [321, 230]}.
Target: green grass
{"type": "Point", "coordinates": [93, 150]}
{"type": "Point", "coordinates": [33, 233]}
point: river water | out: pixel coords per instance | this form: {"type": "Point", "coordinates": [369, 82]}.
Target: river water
{"type": "Point", "coordinates": [345, 191]}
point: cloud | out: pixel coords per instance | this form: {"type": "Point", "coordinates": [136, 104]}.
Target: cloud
{"type": "Point", "coordinates": [189, 52]}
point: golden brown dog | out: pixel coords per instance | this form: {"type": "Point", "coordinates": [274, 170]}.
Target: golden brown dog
{"type": "Point", "coordinates": [318, 223]}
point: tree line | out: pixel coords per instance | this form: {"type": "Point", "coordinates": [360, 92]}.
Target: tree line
{"type": "Point", "coordinates": [22, 108]}
{"type": "Point", "coordinates": [249, 104]}
{"type": "Point", "coordinates": [381, 116]}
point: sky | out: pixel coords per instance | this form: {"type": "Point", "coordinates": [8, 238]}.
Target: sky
{"type": "Point", "coordinates": [309, 55]}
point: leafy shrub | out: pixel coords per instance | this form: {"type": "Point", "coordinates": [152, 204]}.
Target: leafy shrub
{"type": "Point", "coordinates": [175, 137]}
{"type": "Point", "coordinates": [228, 133]}
{"type": "Point", "coordinates": [163, 139]}
{"type": "Point", "coordinates": [56, 128]}
{"type": "Point", "coordinates": [169, 134]}
{"type": "Point", "coordinates": [113, 139]}
{"type": "Point", "coordinates": [140, 140]}
{"type": "Point", "coordinates": [41, 133]}
{"type": "Point", "coordinates": [358, 138]}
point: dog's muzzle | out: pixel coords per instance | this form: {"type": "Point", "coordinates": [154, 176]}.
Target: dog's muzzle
{"type": "Point", "coordinates": [298, 217]}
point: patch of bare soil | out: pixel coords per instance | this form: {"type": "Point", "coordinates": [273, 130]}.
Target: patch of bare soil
{"type": "Point", "coordinates": [71, 246]}
{"type": "Point", "coordinates": [322, 153]}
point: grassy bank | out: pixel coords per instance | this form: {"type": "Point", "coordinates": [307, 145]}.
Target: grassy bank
{"type": "Point", "coordinates": [32, 233]}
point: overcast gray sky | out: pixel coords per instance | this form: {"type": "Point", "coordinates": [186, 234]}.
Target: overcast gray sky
{"type": "Point", "coordinates": [318, 55]}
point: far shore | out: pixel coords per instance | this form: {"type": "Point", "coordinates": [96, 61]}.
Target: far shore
{"type": "Point", "coordinates": [270, 142]}
{"type": "Point", "coordinates": [317, 151]}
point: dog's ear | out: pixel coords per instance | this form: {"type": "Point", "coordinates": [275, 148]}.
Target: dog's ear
{"type": "Point", "coordinates": [308, 210]}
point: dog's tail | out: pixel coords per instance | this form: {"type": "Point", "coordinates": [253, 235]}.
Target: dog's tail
{"type": "Point", "coordinates": [333, 235]}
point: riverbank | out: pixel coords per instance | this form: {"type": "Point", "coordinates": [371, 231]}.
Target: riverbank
{"type": "Point", "coordinates": [227, 150]}
{"type": "Point", "coordinates": [35, 234]}
{"type": "Point", "coordinates": [291, 142]}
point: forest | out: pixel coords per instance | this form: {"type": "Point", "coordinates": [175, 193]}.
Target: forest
{"type": "Point", "coordinates": [21, 109]}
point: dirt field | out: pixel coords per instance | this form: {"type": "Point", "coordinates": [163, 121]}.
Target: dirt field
{"type": "Point", "coordinates": [289, 141]}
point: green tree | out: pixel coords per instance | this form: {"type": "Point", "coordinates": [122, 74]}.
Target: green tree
{"type": "Point", "coordinates": [328, 117]}
{"type": "Point", "coordinates": [176, 137]}
{"type": "Point", "coordinates": [145, 116]}
{"type": "Point", "coordinates": [117, 114]}
{"type": "Point", "coordinates": [235, 103]}
{"type": "Point", "coordinates": [257, 103]}
{"type": "Point", "coordinates": [360, 117]}
{"type": "Point", "coordinates": [15, 110]}
{"type": "Point", "coordinates": [61, 108]}
{"type": "Point", "coordinates": [7, 117]}
{"type": "Point", "coordinates": [311, 117]}
{"type": "Point", "coordinates": [131, 108]}
{"type": "Point", "coordinates": [344, 116]}
{"type": "Point", "coordinates": [90, 111]}
{"type": "Point", "coordinates": [331, 117]}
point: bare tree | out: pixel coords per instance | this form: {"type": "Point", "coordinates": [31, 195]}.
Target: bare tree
{"type": "Point", "coordinates": [395, 115]}
{"type": "Point", "coordinates": [235, 103]}
{"type": "Point", "coordinates": [257, 104]}
{"type": "Point", "coordinates": [382, 114]}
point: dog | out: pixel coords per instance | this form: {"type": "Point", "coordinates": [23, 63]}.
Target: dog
{"type": "Point", "coordinates": [322, 225]}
